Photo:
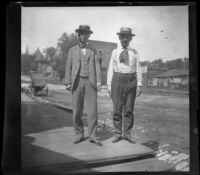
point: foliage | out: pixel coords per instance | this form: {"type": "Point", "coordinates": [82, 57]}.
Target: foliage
{"type": "Point", "coordinates": [178, 63]}
{"type": "Point", "coordinates": [65, 42]}
{"type": "Point", "coordinates": [50, 53]}
{"type": "Point", "coordinates": [145, 63]}
{"type": "Point", "coordinates": [26, 61]}
{"type": "Point", "coordinates": [157, 61]}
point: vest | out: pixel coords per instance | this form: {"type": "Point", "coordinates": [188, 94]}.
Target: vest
{"type": "Point", "coordinates": [84, 72]}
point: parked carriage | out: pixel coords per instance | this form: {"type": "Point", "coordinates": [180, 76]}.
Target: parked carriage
{"type": "Point", "coordinates": [38, 84]}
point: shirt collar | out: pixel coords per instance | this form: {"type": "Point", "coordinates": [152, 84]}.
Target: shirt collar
{"type": "Point", "coordinates": [83, 44]}
{"type": "Point", "coordinates": [126, 48]}
{"type": "Point", "coordinates": [121, 48]}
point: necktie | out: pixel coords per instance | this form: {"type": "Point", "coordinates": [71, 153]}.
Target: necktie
{"type": "Point", "coordinates": [83, 45]}
{"type": "Point", "coordinates": [124, 58]}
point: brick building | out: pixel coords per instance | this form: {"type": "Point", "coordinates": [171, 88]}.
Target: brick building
{"type": "Point", "coordinates": [104, 50]}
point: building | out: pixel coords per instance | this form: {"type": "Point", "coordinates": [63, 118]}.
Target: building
{"type": "Point", "coordinates": [152, 76]}
{"type": "Point", "coordinates": [38, 55]}
{"type": "Point", "coordinates": [144, 75]}
{"type": "Point", "coordinates": [104, 50]}
{"type": "Point", "coordinates": [172, 79]}
{"type": "Point", "coordinates": [27, 51]}
{"type": "Point", "coordinates": [41, 62]}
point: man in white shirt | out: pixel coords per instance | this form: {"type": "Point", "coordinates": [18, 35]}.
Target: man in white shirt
{"type": "Point", "coordinates": [124, 81]}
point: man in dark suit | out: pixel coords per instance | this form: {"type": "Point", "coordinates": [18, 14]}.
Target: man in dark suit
{"type": "Point", "coordinates": [83, 79]}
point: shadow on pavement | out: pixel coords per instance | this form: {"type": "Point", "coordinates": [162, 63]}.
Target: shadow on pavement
{"type": "Point", "coordinates": [44, 163]}
{"type": "Point", "coordinates": [38, 117]}
{"type": "Point", "coordinates": [104, 134]}
{"type": "Point", "coordinates": [151, 144]}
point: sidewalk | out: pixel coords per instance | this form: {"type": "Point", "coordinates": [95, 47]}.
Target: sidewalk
{"type": "Point", "coordinates": [47, 144]}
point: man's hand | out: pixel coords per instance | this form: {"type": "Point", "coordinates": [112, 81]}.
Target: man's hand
{"type": "Point", "coordinates": [98, 87]}
{"type": "Point", "coordinates": [109, 90]}
{"type": "Point", "coordinates": [138, 91]}
{"type": "Point", "coordinates": [69, 87]}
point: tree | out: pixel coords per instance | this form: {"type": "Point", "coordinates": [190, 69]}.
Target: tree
{"type": "Point", "coordinates": [175, 64]}
{"type": "Point", "coordinates": [26, 60]}
{"type": "Point", "coordinates": [145, 63]}
{"type": "Point", "coordinates": [65, 42]}
{"type": "Point", "coordinates": [179, 63]}
{"type": "Point", "coordinates": [185, 63]}
{"type": "Point", "coordinates": [157, 62]}
{"type": "Point", "coordinates": [50, 53]}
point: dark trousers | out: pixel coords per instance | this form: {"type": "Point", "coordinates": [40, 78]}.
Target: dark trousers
{"type": "Point", "coordinates": [83, 89]}
{"type": "Point", "coordinates": [123, 93]}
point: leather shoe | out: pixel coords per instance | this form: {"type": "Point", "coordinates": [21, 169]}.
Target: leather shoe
{"type": "Point", "coordinates": [78, 140]}
{"type": "Point", "coordinates": [96, 141]}
{"type": "Point", "coordinates": [129, 139]}
{"type": "Point", "coordinates": [116, 139]}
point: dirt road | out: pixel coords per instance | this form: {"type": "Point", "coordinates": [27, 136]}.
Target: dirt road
{"type": "Point", "coordinates": [160, 119]}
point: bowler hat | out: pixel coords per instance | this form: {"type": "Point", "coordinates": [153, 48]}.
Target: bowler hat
{"type": "Point", "coordinates": [85, 28]}
{"type": "Point", "coordinates": [126, 31]}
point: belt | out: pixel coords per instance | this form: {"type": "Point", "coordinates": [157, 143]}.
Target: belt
{"type": "Point", "coordinates": [84, 77]}
{"type": "Point", "coordinates": [130, 75]}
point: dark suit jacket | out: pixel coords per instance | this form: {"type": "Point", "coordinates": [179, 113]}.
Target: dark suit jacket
{"type": "Point", "coordinates": [75, 55]}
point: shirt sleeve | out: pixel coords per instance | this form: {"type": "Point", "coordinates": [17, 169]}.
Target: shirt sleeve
{"type": "Point", "coordinates": [138, 71]}
{"type": "Point", "coordinates": [110, 69]}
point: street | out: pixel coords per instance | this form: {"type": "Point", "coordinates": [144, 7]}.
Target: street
{"type": "Point", "coordinates": [161, 124]}
{"type": "Point", "coordinates": [161, 118]}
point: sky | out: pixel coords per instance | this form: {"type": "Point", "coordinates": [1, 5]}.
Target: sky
{"type": "Point", "coordinates": [161, 31]}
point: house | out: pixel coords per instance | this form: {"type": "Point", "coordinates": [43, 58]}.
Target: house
{"type": "Point", "coordinates": [152, 75]}
{"type": "Point", "coordinates": [38, 55]}
{"type": "Point", "coordinates": [173, 78]}
{"type": "Point", "coordinates": [144, 75]}
{"type": "Point", "coordinates": [41, 62]}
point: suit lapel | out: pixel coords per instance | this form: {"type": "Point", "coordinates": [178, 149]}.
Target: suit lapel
{"type": "Point", "coordinates": [78, 53]}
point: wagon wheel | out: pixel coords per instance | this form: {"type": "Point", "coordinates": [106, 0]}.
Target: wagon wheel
{"type": "Point", "coordinates": [35, 92]}
{"type": "Point", "coordinates": [172, 87]}
{"type": "Point", "coordinates": [47, 90]}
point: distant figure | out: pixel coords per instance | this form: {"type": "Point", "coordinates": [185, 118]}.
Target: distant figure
{"type": "Point", "coordinates": [83, 79]}
{"type": "Point", "coordinates": [124, 80]}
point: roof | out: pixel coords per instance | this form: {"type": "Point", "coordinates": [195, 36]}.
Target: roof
{"type": "Point", "coordinates": [172, 73]}
{"type": "Point", "coordinates": [158, 67]}
{"type": "Point", "coordinates": [102, 44]}
{"type": "Point", "coordinates": [154, 73]}
{"type": "Point", "coordinates": [38, 55]}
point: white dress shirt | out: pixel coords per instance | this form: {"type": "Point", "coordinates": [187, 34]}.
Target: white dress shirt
{"type": "Point", "coordinates": [83, 50]}
{"type": "Point", "coordinates": [116, 66]}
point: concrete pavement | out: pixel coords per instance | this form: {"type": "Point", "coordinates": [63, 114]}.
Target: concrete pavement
{"type": "Point", "coordinates": [47, 142]}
